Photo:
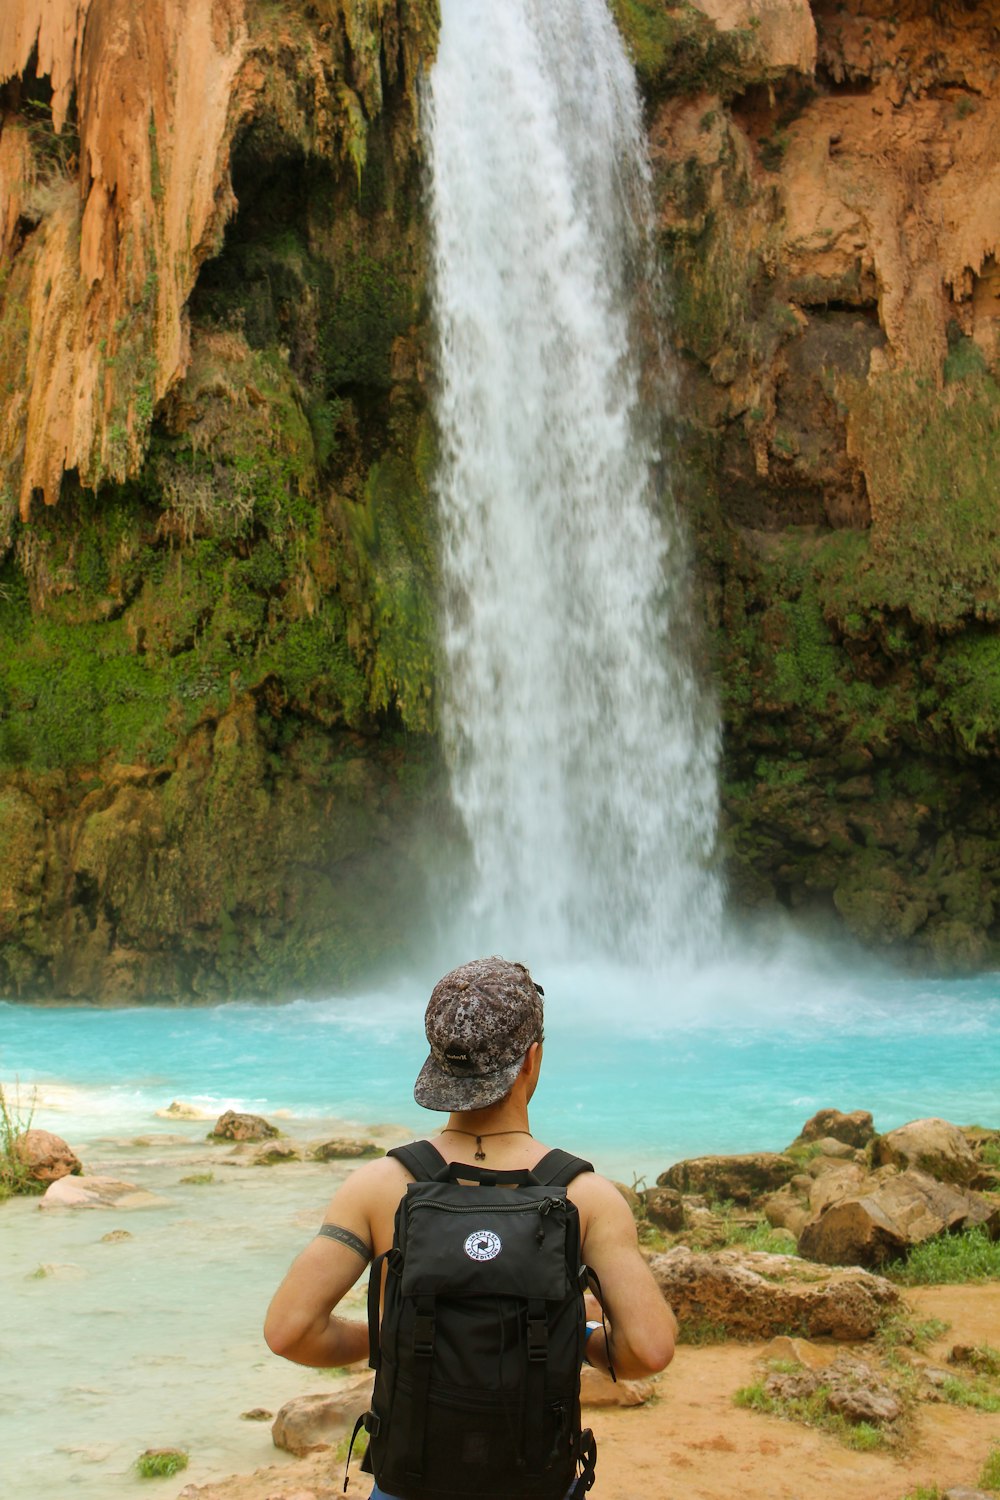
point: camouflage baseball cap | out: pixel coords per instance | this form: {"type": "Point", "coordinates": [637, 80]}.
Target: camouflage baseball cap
{"type": "Point", "coordinates": [480, 1021]}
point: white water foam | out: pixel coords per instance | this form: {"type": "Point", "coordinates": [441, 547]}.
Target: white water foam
{"type": "Point", "coordinates": [582, 749]}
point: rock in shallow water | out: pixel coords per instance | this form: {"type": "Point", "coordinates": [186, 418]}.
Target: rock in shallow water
{"type": "Point", "coordinates": [47, 1156]}
{"type": "Point", "coordinates": [97, 1192]}
{"type": "Point", "coordinates": [233, 1126]}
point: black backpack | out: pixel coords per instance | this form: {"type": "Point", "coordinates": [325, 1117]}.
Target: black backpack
{"type": "Point", "coordinates": [477, 1363]}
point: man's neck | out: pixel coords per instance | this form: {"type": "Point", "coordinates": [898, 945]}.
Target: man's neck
{"type": "Point", "coordinates": [508, 1117]}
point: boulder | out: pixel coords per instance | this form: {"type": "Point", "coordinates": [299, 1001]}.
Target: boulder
{"type": "Point", "coordinates": [177, 1109]}
{"type": "Point", "coordinates": [800, 1352]}
{"type": "Point", "coordinates": [598, 1389]}
{"type": "Point", "coordinates": [344, 1150]}
{"type": "Point", "coordinates": [736, 1179]}
{"type": "Point", "coordinates": [233, 1126]}
{"type": "Point", "coordinates": [787, 1209]}
{"type": "Point", "coordinates": [829, 1146]}
{"type": "Point", "coordinates": [97, 1192]}
{"type": "Point", "coordinates": [932, 1146]}
{"type": "Point", "coordinates": [889, 1215]}
{"type": "Point", "coordinates": [855, 1129]}
{"type": "Point", "coordinates": [753, 1295]}
{"type": "Point", "coordinates": [663, 1207]}
{"type": "Point", "coordinates": [273, 1153]}
{"type": "Point", "coordinates": [852, 1389]}
{"type": "Point", "coordinates": [307, 1423]}
{"type": "Point", "coordinates": [46, 1156]}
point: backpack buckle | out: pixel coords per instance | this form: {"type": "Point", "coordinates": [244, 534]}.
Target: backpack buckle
{"type": "Point", "coordinates": [538, 1339]}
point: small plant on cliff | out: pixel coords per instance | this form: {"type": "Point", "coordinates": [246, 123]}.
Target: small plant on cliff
{"type": "Point", "coordinates": [15, 1121]}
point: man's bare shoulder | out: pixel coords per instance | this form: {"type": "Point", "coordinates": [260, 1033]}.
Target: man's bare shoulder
{"type": "Point", "coordinates": [369, 1189]}
{"type": "Point", "coordinates": [595, 1190]}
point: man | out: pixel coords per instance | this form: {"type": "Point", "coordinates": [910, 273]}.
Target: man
{"type": "Point", "coordinates": [484, 1023]}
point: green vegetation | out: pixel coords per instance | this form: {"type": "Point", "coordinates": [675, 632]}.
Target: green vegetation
{"type": "Point", "coordinates": [15, 1121]}
{"type": "Point", "coordinates": [924, 1492]}
{"type": "Point", "coordinates": [160, 1463]}
{"type": "Point", "coordinates": [900, 1330]}
{"type": "Point", "coordinates": [701, 1332]}
{"type": "Point", "coordinates": [198, 1179]}
{"type": "Point", "coordinates": [949, 1259]}
{"type": "Point", "coordinates": [981, 1394]}
{"type": "Point", "coordinates": [813, 1411]}
{"type": "Point", "coordinates": [678, 50]}
{"type": "Point", "coordinates": [989, 1474]}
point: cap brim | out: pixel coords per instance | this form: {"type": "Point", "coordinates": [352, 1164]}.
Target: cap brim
{"type": "Point", "coordinates": [436, 1089]}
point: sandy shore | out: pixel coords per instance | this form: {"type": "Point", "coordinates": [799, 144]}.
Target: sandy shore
{"type": "Point", "coordinates": [692, 1442]}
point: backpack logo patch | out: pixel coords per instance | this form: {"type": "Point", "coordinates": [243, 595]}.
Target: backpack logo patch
{"type": "Point", "coordinates": [483, 1245]}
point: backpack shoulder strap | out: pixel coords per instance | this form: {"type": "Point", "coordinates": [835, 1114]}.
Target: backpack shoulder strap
{"type": "Point", "coordinates": [422, 1160]}
{"type": "Point", "coordinates": [558, 1169]}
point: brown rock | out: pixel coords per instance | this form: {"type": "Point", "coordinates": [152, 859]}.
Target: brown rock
{"type": "Point", "coordinates": [853, 1390]}
{"type": "Point", "coordinates": [115, 1237]}
{"type": "Point", "coordinates": [896, 1212]}
{"type": "Point", "coordinates": [857, 1394]}
{"type": "Point", "coordinates": [96, 1192]}
{"type": "Point", "coordinates": [932, 1146]}
{"type": "Point", "coordinates": [598, 1389]}
{"type": "Point", "coordinates": [344, 1150]}
{"type": "Point", "coordinates": [273, 1153]}
{"type": "Point", "coordinates": [829, 1147]}
{"type": "Point", "coordinates": [307, 1423]}
{"type": "Point", "coordinates": [800, 1352]}
{"type": "Point", "coordinates": [854, 1129]}
{"type": "Point", "coordinates": [257, 1414]}
{"type": "Point", "coordinates": [233, 1126]}
{"type": "Point", "coordinates": [787, 1209]}
{"type": "Point", "coordinates": [664, 1207]}
{"type": "Point", "coordinates": [752, 1295]}
{"type": "Point", "coordinates": [739, 1179]}
{"type": "Point", "coordinates": [47, 1156]}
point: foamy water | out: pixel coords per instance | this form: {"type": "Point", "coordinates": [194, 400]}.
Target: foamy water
{"type": "Point", "coordinates": [581, 744]}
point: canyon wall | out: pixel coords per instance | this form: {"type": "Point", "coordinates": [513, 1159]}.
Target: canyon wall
{"type": "Point", "coordinates": [219, 771]}
{"type": "Point", "coordinates": [217, 763]}
{"type": "Point", "coordinates": [828, 183]}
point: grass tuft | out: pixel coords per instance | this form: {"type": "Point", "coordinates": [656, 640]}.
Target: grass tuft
{"type": "Point", "coordinates": [989, 1474]}
{"type": "Point", "coordinates": [160, 1463]}
{"type": "Point", "coordinates": [900, 1331]}
{"type": "Point", "coordinates": [949, 1260]}
{"type": "Point", "coordinates": [15, 1121]}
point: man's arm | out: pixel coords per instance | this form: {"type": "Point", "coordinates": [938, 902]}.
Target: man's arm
{"type": "Point", "coordinates": [641, 1325]}
{"type": "Point", "coordinates": [300, 1324]}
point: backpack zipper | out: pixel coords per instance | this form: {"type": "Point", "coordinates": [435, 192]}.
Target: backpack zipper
{"type": "Point", "coordinates": [542, 1207]}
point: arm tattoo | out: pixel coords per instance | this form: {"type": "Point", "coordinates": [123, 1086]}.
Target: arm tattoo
{"type": "Point", "coordinates": [346, 1237]}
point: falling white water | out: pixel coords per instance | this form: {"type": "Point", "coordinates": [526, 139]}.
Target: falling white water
{"type": "Point", "coordinates": [582, 752]}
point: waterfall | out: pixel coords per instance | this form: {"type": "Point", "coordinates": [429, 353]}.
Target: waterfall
{"type": "Point", "coordinates": [581, 746]}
